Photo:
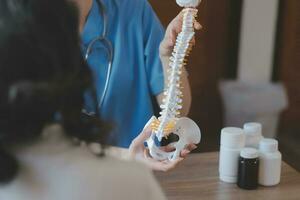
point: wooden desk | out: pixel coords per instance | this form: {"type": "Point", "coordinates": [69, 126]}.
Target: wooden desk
{"type": "Point", "coordinates": [197, 178]}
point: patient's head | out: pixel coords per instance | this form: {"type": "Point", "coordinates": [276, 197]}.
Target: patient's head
{"type": "Point", "coordinates": [42, 75]}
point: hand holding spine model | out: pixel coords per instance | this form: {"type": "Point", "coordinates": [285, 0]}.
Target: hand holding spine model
{"type": "Point", "coordinates": [169, 121]}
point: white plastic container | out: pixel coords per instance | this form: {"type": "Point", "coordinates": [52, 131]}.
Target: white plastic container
{"type": "Point", "coordinates": [270, 163]}
{"type": "Point", "coordinates": [253, 132]}
{"type": "Point", "coordinates": [232, 141]}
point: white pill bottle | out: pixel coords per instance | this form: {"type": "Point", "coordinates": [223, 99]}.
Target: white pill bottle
{"type": "Point", "coordinates": [269, 162]}
{"type": "Point", "coordinates": [253, 133]}
{"type": "Point", "coordinates": [232, 142]}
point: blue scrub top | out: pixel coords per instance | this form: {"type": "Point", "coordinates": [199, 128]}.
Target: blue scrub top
{"type": "Point", "coordinates": [137, 74]}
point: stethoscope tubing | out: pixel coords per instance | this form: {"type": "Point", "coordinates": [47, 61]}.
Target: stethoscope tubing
{"type": "Point", "coordinates": [109, 50]}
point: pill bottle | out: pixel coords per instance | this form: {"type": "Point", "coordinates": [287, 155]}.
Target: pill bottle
{"type": "Point", "coordinates": [270, 162]}
{"type": "Point", "coordinates": [253, 132]}
{"type": "Point", "coordinates": [232, 141]}
{"type": "Point", "coordinates": [248, 169]}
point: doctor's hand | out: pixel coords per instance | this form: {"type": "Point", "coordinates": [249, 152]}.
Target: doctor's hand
{"type": "Point", "coordinates": [174, 28]}
{"type": "Point", "coordinates": [139, 152]}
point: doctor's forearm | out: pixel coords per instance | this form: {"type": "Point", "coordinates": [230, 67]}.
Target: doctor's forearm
{"type": "Point", "coordinates": [186, 90]}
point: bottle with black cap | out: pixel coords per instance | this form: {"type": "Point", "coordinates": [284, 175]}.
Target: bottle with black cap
{"type": "Point", "coordinates": [248, 169]}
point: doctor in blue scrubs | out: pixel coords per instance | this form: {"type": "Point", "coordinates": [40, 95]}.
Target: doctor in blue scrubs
{"type": "Point", "coordinates": [141, 51]}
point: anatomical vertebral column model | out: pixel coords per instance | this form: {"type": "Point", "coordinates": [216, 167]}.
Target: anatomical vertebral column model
{"type": "Point", "coordinates": [169, 120]}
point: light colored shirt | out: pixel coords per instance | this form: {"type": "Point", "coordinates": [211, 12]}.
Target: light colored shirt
{"type": "Point", "coordinates": [137, 74]}
{"type": "Point", "coordinates": [55, 169]}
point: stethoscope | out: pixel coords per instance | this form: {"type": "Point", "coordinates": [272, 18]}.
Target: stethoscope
{"type": "Point", "coordinates": [108, 48]}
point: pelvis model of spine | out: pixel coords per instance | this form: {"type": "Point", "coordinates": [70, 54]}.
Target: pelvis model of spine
{"type": "Point", "coordinates": [169, 120]}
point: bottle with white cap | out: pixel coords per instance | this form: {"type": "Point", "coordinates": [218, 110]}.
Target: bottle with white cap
{"type": "Point", "coordinates": [253, 132]}
{"type": "Point", "coordinates": [232, 141]}
{"type": "Point", "coordinates": [270, 162]}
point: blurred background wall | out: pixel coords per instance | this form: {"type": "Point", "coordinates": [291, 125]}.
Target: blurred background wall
{"type": "Point", "coordinates": [217, 55]}
{"type": "Point", "coordinates": [287, 70]}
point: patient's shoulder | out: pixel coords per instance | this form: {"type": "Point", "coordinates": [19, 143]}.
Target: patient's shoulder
{"type": "Point", "coordinates": [110, 178]}
{"type": "Point", "coordinates": [75, 173]}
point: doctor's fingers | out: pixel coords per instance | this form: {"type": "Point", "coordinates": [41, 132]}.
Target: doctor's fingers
{"type": "Point", "coordinates": [156, 165]}
{"type": "Point", "coordinates": [169, 165]}
{"type": "Point", "coordinates": [176, 24]}
{"type": "Point", "coordinates": [191, 147]}
{"type": "Point", "coordinates": [187, 150]}
{"type": "Point", "coordinates": [174, 28]}
{"type": "Point", "coordinates": [197, 26]}
{"type": "Point", "coordinates": [168, 148]}
{"type": "Point", "coordinates": [143, 136]}
{"type": "Point", "coordinates": [137, 145]}
{"type": "Point", "coordinates": [171, 39]}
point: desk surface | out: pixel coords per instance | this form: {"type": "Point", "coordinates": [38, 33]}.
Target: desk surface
{"type": "Point", "coordinates": [197, 178]}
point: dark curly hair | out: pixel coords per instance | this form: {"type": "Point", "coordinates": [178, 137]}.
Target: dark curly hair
{"type": "Point", "coordinates": [42, 75]}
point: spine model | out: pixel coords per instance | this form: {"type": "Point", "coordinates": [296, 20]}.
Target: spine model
{"type": "Point", "coordinates": [169, 120]}
{"type": "Point", "coordinates": [172, 102]}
